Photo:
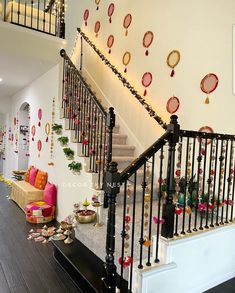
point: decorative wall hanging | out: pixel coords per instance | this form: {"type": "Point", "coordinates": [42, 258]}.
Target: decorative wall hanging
{"type": "Point", "coordinates": [127, 22]}
{"type": "Point", "coordinates": [28, 134]}
{"type": "Point", "coordinates": [52, 134]}
{"type": "Point", "coordinates": [172, 105]}
{"type": "Point", "coordinates": [86, 16]}
{"type": "Point", "coordinates": [47, 130]}
{"type": "Point", "coordinates": [33, 131]}
{"type": "Point", "coordinates": [173, 60]}
{"type": "Point", "coordinates": [208, 84]}
{"type": "Point", "coordinates": [111, 11]}
{"type": "Point", "coordinates": [110, 42]}
{"type": "Point", "coordinates": [146, 81]}
{"type": "Point", "coordinates": [97, 28]}
{"type": "Point", "coordinates": [126, 60]}
{"type": "Point", "coordinates": [16, 123]}
{"type": "Point", "coordinates": [97, 2]}
{"type": "Point", "coordinates": [206, 129]}
{"type": "Point", "coordinates": [147, 41]}
{"type": "Point", "coordinates": [39, 117]}
{"type": "Point", "coordinates": [39, 146]}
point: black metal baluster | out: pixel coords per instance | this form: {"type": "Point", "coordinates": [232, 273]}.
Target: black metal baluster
{"type": "Point", "coordinates": [203, 185]}
{"type": "Point", "coordinates": [191, 193]}
{"type": "Point", "coordinates": [91, 134]}
{"type": "Point", "coordinates": [95, 136]}
{"type": "Point", "coordinates": [100, 152]}
{"type": "Point", "coordinates": [220, 183]}
{"type": "Point", "coordinates": [159, 207]}
{"type": "Point", "coordinates": [63, 85]}
{"type": "Point", "coordinates": [50, 12]}
{"type": "Point", "coordinates": [186, 187]}
{"type": "Point", "coordinates": [199, 160]}
{"type": "Point", "coordinates": [89, 125]}
{"type": "Point", "coordinates": [80, 113]}
{"type": "Point", "coordinates": [38, 14]}
{"type": "Point", "coordinates": [123, 233]}
{"type": "Point", "coordinates": [25, 13]}
{"type": "Point", "coordinates": [214, 187]}
{"type": "Point", "coordinates": [86, 122]}
{"type": "Point", "coordinates": [229, 180]}
{"type": "Point", "coordinates": [44, 16]}
{"type": "Point", "coordinates": [224, 183]}
{"type": "Point", "coordinates": [141, 241]}
{"type": "Point", "coordinates": [81, 53]}
{"type": "Point", "coordinates": [96, 155]}
{"type": "Point", "coordinates": [209, 181]}
{"type": "Point", "coordinates": [12, 3]}
{"type": "Point", "coordinates": [133, 231]}
{"type": "Point", "coordinates": [32, 13]}
{"type": "Point", "coordinates": [151, 210]}
{"type": "Point", "coordinates": [18, 12]}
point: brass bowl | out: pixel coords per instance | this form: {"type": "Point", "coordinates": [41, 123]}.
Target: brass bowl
{"type": "Point", "coordinates": [65, 225]}
{"type": "Point", "coordinates": [85, 217]}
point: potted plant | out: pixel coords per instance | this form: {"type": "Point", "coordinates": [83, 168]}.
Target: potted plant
{"type": "Point", "coordinates": [76, 167]}
{"type": "Point", "coordinates": [57, 128]}
{"type": "Point", "coordinates": [63, 140]}
{"type": "Point", "coordinates": [69, 153]}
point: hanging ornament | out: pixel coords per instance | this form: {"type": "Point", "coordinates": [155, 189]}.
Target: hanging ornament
{"type": "Point", "coordinates": [52, 134]}
{"type": "Point", "coordinates": [110, 42]}
{"type": "Point", "coordinates": [86, 16]}
{"type": "Point", "coordinates": [206, 129]}
{"type": "Point", "coordinates": [33, 131]}
{"type": "Point", "coordinates": [146, 81]}
{"type": "Point", "coordinates": [47, 130]}
{"type": "Point", "coordinates": [172, 105]}
{"type": "Point", "coordinates": [97, 28]}
{"type": "Point", "coordinates": [39, 146]}
{"type": "Point", "coordinates": [16, 123]}
{"type": "Point", "coordinates": [208, 84]}
{"type": "Point", "coordinates": [147, 41]}
{"type": "Point", "coordinates": [126, 60]}
{"type": "Point", "coordinates": [173, 60]}
{"type": "Point", "coordinates": [39, 117]}
{"type": "Point", "coordinates": [127, 22]}
{"type": "Point", "coordinates": [147, 199]}
{"type": "Point", "coordinates": [111, 11]}
{"type": "Point", "coordinates": [28, 134]}
{"type": "Point", "coordinates": [97, 2]}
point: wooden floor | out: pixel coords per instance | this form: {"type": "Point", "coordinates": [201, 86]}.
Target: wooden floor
{"type": "Point", "coordinates": [227, 287]}
{"type": "Point", "coordinates": [26, 266]}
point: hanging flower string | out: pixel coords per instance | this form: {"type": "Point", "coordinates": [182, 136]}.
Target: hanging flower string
{"type": "Point", "coordinates": [52, 134]}
{"type": "Point", "coordinates": [125, 82]}
{"type": "Point", "coordinates": [147, 199]}
{"type": "Point", "coordinates": [28, 134]}
{"type": "Point", "coordinates": [17, 133]}
{"type": "Point", "coordinates": [178, 210]}
{"type": "Point", "coordinates": [127, 260]}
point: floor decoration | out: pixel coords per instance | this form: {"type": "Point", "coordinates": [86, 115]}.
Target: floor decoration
{"type": "Point", "coordinates": [39, 117]}
{"type": "Point", "coordinates": [97, 28]}
{"type": "Point", "coordinates": [147, 41]}
{"type": "Point", "coordinates": [126, 59]}
{"type": "Point", "coordinates": [110, 42]}
{"type": "Point", "coordinates": [173, 60]}
{"type": "Point", "coordinates": [127, 22]}
{"type": "Point", "coordinates": [209, 84]}
{"type": "Point", "coordinates": [33, 131]}
{"type": "Point", "coordinates": [39, 146]}
{"type": "Point", "coordinates": [146, 81]}
{"type": "Point", "coordinates": [52, 133]}
{"type": "Point", "coordinates": [45, 234]}
{"type": "Point", "coordinates": [97, 2]}
{"type": "Point", "coordinates": [47, 131]}
{"type": "Point", "coordinates": [86, 16]}
{"type": "Point", "coordinates": [172, 105]}
{"type": "Point", "coordinates": [111, 9]}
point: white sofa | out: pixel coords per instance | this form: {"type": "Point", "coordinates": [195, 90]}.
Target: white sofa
{"type": "Point", "coordinates": [30, 17]}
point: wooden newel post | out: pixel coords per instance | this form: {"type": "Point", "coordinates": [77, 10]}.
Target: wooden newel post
{"type": "Point", "coordinates": [168, 209]}
{"type": "Point", "coordinates": [112, 188]}
{"type": "Point", "coordinates": [110, 125]}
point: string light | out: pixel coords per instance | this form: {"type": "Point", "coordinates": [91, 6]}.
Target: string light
{"type": "Point", "coordinates": [125, 82]}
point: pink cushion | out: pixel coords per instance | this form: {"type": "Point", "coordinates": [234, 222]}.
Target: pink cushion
{"type": "Point", "coordinates": [32, 175]}
{"type": "Point", "coordinates": [50, 193]}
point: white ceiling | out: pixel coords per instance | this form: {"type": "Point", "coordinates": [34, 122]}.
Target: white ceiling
{"type": "Point", "coordinates": [24, 56]}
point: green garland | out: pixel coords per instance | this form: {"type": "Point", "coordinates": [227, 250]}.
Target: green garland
{"type": "Point", "coordinates": [125, 82]}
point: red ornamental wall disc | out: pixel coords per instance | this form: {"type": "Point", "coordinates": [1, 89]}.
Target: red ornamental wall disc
{"type": "Point", "coordinates": [172, 105]}
{"type": "Point", "coordinates": [208, 84]}
{"type": "Point", "coordinates": [97, 28]}
{"type": "Point", "coordinates": [147, 41]}
{"type": "Point", "coordinates": [111, 11]}
{"type": "Point", "coordinates": [127, 22]}
{"type": "Point", "coordinates": [110, 42]}
{"type": "Point", "coordinates": [39, 145]}
{"type": "Point", "coordinates": [86, 16]}
{"type": "Point", "coordinates": [146, 81]}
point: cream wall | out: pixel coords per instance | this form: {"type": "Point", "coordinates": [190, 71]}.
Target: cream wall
{"type": "Point", "coordinates": [200, 30]}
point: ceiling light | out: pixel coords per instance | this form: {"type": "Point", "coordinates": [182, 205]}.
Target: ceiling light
{"type": "Point", "coordinates": [1, 79]}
